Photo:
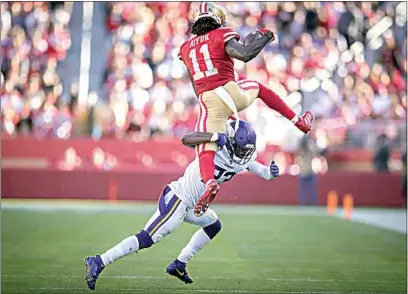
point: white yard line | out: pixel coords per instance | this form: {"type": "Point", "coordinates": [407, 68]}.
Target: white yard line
{"type": "Point", "coordinates": [123, 206]}
{"type": "Point", "coordinates": [391, 219]}
{"type": "Point", "coordinates": [143, 290]}
{"type": "Point", "coordinates": [300, 280]}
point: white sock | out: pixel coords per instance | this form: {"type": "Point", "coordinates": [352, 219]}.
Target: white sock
{"type": "Point", "coordinates": [198, 241]}
{"type": "Point", "coordinates": [127, 246]}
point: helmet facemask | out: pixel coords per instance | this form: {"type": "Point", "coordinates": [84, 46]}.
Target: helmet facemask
{"type": "Point", "coordinates": [240, 154]}
{"type": "Point", "coordinates": [240, 146]}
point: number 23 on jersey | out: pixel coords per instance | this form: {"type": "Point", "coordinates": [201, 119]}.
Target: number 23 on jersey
{"type": "Point", "coordinates": [210, 71]}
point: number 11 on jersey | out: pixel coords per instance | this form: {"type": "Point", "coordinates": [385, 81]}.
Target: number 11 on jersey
{"type": "Point", "coordinates": [211, 70]}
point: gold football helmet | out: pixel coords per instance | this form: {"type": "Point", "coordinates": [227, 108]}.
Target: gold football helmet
{"type": "Point", "coordinates": [209, 9]}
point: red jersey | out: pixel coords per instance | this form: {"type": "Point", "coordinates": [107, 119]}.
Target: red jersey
{"type": "Point", "coordinates": [206, 60]}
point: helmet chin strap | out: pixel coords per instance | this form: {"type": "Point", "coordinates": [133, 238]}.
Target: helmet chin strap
{"type": "Point", "coordinates": [227, 99]}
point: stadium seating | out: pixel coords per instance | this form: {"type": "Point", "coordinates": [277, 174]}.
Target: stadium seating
{"type": "Point", "coordinates": [35, 38]}
{"type": "Point", "coordinates": [348, 77]}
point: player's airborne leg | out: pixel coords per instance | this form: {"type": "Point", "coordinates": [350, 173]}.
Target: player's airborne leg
{"type": "Point", "coordinates": [209, 60]}
{"type": "Point", "coordinates": [249, 90]}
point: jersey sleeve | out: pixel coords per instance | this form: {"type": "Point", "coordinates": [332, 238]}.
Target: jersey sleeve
{"type": "Point", "coordinates": [260, 170]}
{"type": "Point", "coordinates": [252, 160]}
{"type": "Point", "coordinates": [228, 34]}
{"type": "Point", "coordinates": [180, 51]}
{"type": "Point", "coordinates": [179, 54]}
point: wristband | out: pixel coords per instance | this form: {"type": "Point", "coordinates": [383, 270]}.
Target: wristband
{"type": "Point", "coordinates": [270, 35]}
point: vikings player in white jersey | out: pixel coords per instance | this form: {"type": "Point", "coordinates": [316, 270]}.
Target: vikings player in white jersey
{"type": "Point", "coordinates": [177, 202]}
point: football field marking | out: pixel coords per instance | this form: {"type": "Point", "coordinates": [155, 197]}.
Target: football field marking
{"type": "Point", "coordinates": [143, 290]}
{"type": "Point", "coordinates": [391, 219]}
{"type": "Point", "coordinates": [313, 280]}
{"type": "Point", "coordinates": [95, 206]}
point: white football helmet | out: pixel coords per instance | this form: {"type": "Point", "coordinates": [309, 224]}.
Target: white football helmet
{"type": "Point", "coordinates": [209, 9]}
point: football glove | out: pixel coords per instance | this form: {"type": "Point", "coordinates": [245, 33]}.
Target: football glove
{"type": "Point", "coordinates": [274, 168]}
{"type": "Point", "coordinates": [269, 34]}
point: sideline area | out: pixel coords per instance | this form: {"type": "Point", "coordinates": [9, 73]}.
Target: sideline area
{"type": "Point", "coordinates": [387, 218]}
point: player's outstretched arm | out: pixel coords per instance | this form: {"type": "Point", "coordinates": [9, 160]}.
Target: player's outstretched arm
{"type": "Point", "coordinates": [267, 172]}
{"type": "Point", "coordinates": [246, 53]}
{"type": "Point", "coordinates": [197, 138]}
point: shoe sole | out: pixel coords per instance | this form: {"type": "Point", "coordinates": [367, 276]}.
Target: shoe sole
{"type": "Point", "coordinates": [178, 277]}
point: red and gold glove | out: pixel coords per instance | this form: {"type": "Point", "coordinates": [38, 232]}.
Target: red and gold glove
{"type": "Point", "coordinates": [269, 34]}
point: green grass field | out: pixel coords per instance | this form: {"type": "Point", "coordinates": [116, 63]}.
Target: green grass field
{"type": "Point", "coordinates": [260, 250]}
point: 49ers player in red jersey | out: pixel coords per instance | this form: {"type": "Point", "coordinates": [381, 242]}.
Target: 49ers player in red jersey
{"type": "Point", "coordinates": [208, 56]}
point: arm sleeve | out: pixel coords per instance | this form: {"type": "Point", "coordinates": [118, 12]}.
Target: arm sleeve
{"type": "Point", "coordinates": [229, 34]}
{"type": "Point", "coordinates": [260, 170]}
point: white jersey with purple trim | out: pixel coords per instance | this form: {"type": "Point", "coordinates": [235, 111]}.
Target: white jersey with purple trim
{"type": "Point", "coordinates": [190, 186]}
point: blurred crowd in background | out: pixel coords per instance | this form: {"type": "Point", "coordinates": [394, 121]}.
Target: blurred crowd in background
{"type": "Point", "coordinates": [344, 61]}
{"type": "Point", "coordinates": [34, 38]}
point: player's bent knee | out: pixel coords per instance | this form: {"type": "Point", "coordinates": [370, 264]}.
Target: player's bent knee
{"type": "Point", "coordinates": [145, 241]}
{"type": "Point", "coordinates": [213, 230]}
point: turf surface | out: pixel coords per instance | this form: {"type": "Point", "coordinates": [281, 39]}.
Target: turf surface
{"type": "Point", "coordinates": [268, 252]}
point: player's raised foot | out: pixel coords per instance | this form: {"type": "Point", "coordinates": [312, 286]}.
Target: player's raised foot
{"type": "Point", "coordinates": [178, 269]}
{"type": "Point", "coordinates": [304, 122]}
{"type": "Point", "coordinates": [211, 190]}
{"type": "Point", "coordinates": [94, 266]}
